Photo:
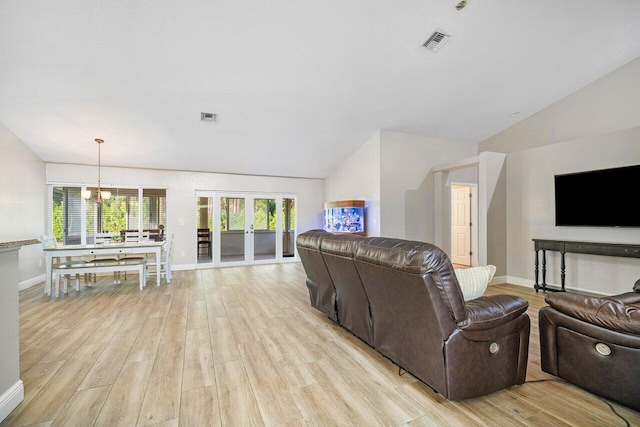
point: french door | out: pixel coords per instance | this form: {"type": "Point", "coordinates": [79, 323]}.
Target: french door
{"type": "Point", "coordinates": [246, 228]}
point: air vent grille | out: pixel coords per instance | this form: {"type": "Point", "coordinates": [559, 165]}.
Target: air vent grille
{"type": "Point", "coordinates": [436, 41]}
{"type": "Point", "coordinates": [208, 117]}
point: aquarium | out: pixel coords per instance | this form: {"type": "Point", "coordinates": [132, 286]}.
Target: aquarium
{"type": "Point", "coordinates": [349, 219]}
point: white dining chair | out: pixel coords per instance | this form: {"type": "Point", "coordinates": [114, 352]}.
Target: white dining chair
{"type": "Point", "coordinates": [137, 236]}
{"type": "Point", "coordinates": [101, 239]}
{"type": "Point", "coordinates": [50, 241]}
{"type": "Point", "coordinates": [164, 269]}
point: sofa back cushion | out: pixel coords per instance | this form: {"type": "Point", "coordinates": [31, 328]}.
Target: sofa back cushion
{"type": "Point", "coordinates": [621, 314]}
{"type": "Point", "coordinates": [321, 289]}
{"type": "Point", "coordinates": [351, 300]}
{"type": "Point", "coordinates": [418, 258]}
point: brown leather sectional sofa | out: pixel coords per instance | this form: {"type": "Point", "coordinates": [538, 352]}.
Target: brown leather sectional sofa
{"type": "Point", "coordinates": [402, 298]}
{"type": "Point", "coordinates": [594, 343]}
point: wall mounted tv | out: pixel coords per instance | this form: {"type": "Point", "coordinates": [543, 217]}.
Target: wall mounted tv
{"type": "Point", "coordinates": [599, 198]}
{"type": "Point", "coordinates": [346, 216]}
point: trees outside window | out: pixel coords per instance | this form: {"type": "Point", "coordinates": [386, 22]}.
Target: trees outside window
{"type": "Point", "coordinates": [120, 212]}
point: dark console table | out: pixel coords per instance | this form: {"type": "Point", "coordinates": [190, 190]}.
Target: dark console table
{"type": "Point", "coordinates": [563, 246]}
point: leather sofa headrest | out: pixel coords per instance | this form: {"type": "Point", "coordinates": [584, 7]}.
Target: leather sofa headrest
{"type": "Point", "coordinates": [341, 245]}
{"type": "Point", "coordinates": [404, 255]}
{"type": "Point", "coordinates": [312, 239]}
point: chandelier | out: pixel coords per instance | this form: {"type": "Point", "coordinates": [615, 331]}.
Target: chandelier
{"type": "Point", "coordinates": [101, 196]}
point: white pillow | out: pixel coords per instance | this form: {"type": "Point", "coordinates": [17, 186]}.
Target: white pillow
{"type": "Point", "coordinates": [474, 280]}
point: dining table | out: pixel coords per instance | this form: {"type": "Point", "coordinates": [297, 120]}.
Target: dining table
{"type": "Point", "coordinates": [99, 250]}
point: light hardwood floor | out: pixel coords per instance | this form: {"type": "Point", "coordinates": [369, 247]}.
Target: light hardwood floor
{"type": "Point", "coordinates": [241, 346]}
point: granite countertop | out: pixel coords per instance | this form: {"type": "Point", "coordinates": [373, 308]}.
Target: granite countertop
{"type": "Point", "coordinates": [13, 242]}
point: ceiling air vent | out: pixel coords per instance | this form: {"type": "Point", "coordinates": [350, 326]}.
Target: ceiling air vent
{"type": "Point", "coordinates": [208, 117]}
{"type": "Point", "coordinates": [436, 41]}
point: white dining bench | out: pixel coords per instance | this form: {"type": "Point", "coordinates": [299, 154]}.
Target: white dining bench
{"type": "Point", "coordinates": [106, 266]}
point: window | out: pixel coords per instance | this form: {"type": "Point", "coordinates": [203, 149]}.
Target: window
{"type": "Point", "coordinates": [121, 212]}
{"type": "Point", "coordinates": [118, 213]}
{"type": "Point", "coordinates": [264, 214]}
{"type": "Point", "coordinates": [154, 209]}
{"type": "Point", "coordinates": [288, 214]}
{"type": "Point", "coordinates": [66, 215]}
{"type": "Point", "coordinates": [231, 214]}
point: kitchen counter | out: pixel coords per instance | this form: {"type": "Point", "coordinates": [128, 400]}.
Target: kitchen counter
{"type": "Point", "coordinates": [11, 386]}
{"type": "Point", "coordinates": [13, 242]}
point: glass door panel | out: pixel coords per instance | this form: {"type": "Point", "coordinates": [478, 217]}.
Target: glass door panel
{"type": "Point", "coordinates": [204, 227]}
{"type": "Point", "coordinates": [232, 229]}
{"type": "Point", "coordinates": [288, 227]}
{"type": "Point", "coordinates": [253, 228]}
{"type": "Point", "coordinates": [264, 229]}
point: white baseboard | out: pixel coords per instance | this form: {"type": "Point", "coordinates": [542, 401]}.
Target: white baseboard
{"type": "Point", "coordinates": [178, 267]}
{"type": "Point", "coordinates": [498, 280]}
{"type": "Point", "coordinates": [31, 282]}
{"type": "Point", "coordinates": [10, 399]}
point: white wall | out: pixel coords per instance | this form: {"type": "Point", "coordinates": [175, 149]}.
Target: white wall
{"type": "Point", "coordinates": [596, 127]}
{"type": "Point", "coordinates": [391, 171]}
{"type": "Point", "coordinates": [181, 196]}
{"type": "Point", "coordinates": [358, 178]}
{"type": "Point", "coordinates": [406, 184]}
{"type": "Point", "coordinates": [22, 202]}
{"type": "Point", "coordinates": [531, 212]}
{"type": "Point", "coordinates": [609, 104]}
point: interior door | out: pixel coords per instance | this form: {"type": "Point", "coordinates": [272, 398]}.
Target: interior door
{"type": "Point", "coordinates": [461, 225]}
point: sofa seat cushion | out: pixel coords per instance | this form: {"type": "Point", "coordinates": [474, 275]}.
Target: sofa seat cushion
{"type": "Point", "coordinates": [473, 281]}
{"type": "Point", "coordinates": [603, 312]}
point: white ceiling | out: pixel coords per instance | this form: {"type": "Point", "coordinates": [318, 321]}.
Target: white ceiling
{"type": "Point", "coordinates": [298, 84]}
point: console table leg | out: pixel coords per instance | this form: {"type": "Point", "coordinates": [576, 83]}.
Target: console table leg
{"type": "Point", "coordinates": [536, 286]}
{"type": "Point", "coordinates": [544, 270]}
{"type": "Point", "coordinates": [562, 271]}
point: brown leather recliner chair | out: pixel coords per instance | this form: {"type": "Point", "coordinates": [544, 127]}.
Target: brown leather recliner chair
{"type": "Point", "coordinates": [420, 321]}
{"type": "Point", "coordinates": [594, 343]}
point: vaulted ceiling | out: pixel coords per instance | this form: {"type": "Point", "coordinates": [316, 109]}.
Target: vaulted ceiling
{"type": "Point", "coordinates": [297, 85]}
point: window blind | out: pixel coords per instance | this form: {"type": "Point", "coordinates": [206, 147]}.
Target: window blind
{"type": "Point", "coordinates": [120, 212]}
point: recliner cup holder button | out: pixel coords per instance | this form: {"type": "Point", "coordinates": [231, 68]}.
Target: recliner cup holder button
{"type": "Point", "coordinates": [493, 348]}
{"type": "Point", "coordinates": [603, 349]}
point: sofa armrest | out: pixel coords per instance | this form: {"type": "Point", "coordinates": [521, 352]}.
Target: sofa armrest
{"type": "Point", "coordinates": [490, 312]}
{"type": "Point", "coordinates": [606, 313]}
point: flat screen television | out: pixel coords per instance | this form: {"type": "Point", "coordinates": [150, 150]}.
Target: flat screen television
{"type": "Point", "coordinates": [599, 198]}
{"type": "Point", "coordinates": [344, 217]}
